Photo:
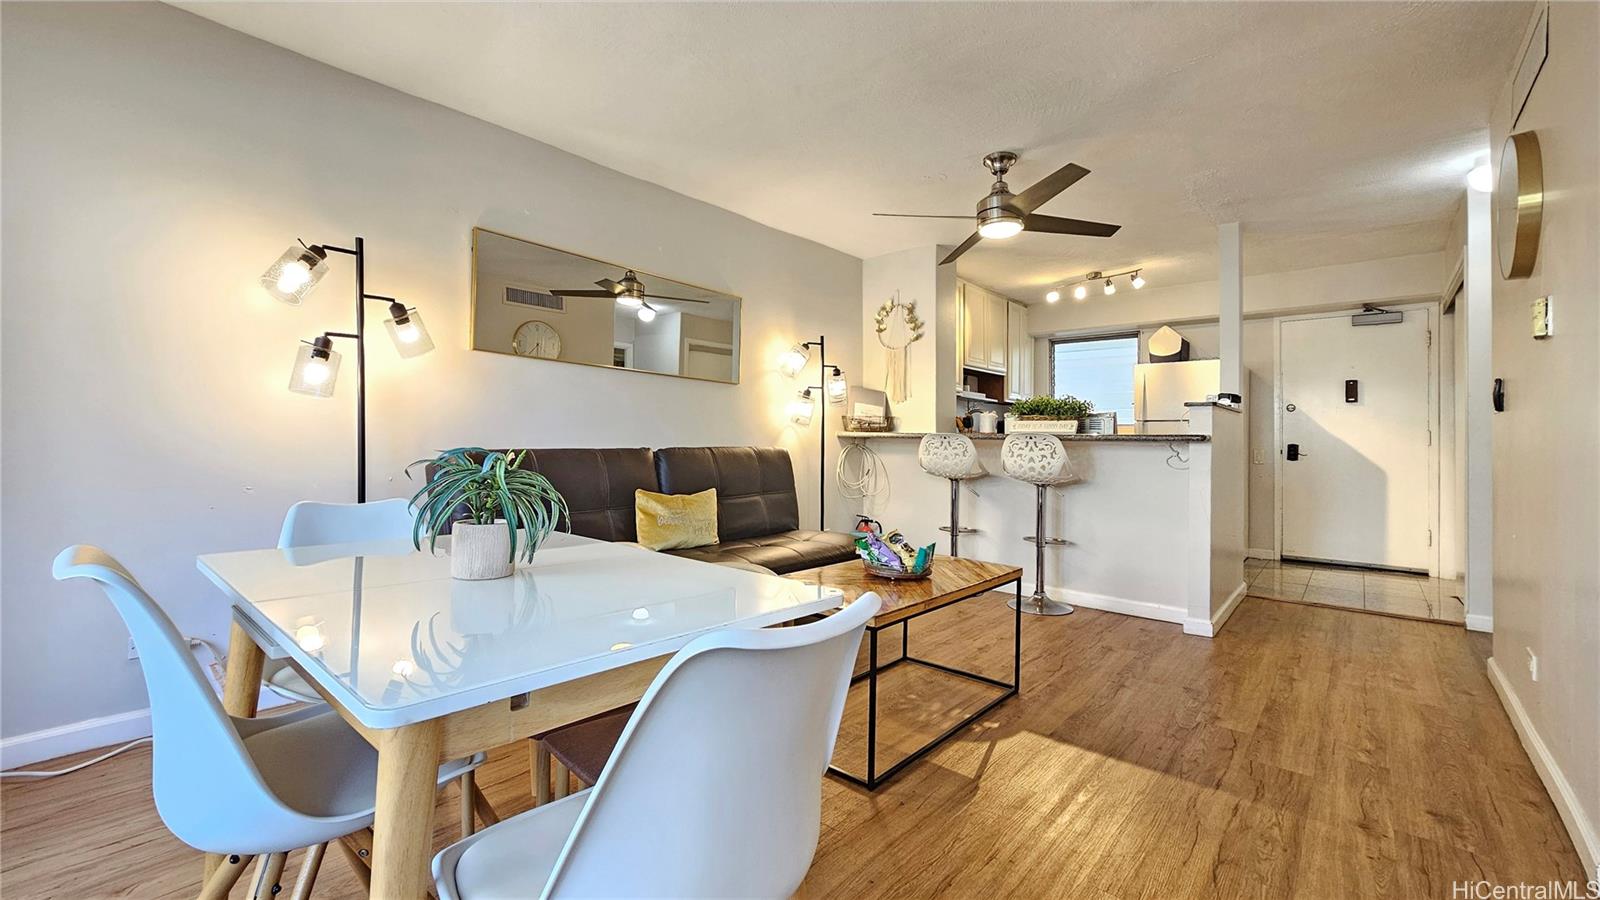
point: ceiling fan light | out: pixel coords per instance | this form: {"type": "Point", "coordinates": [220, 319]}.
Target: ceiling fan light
{"type": "Point", "coordinates": [1052, 297]}
{"type": "Point", "coordinates": [1001, 228]}
{"type": "Point", "coordinates": [631, 301]}
{"type": "Point", "coordinates": [1081, 292]}
{"type": "Point", "coordinates": [1138, 280]}
{"type": "Point", "coordinates": [1110, 288]}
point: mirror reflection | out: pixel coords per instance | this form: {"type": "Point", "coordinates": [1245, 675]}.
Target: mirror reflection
{"type": "Point", "coordinates": [540, 302]}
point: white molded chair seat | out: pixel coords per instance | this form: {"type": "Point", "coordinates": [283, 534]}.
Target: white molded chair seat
{"type": "Point", "coordinates": [950, 456]}
{"type": "Point", "coordinates": [312, 523]}
{"type": "Point", "coordinates": [1037, 459]}
{"type": "Point", "coordinates": [714, 789]}
{"type": "Point", "coordinates": [230, 785]}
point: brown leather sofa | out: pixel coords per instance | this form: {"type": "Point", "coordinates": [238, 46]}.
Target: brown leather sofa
{"type": "Point", "coordinates": [758, 515]}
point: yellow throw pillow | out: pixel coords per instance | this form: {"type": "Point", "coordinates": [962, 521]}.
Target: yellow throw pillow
{"type": "Point", "coordinates": [675, 521]}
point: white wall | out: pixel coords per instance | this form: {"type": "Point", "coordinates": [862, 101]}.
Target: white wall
{"type": "Point", "coordinates": [154, 164]}
{"type": "Point", "coordinates": [1547, 442]}
{"type": "Point", "coordinates": [931, 365]}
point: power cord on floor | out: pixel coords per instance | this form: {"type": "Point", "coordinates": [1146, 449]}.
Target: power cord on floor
{"type": "Point", "coordinates": [218, 661]}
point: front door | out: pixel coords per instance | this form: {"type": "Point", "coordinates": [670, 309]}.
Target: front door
{"type": "Point", "coordinates": [1355, 460]}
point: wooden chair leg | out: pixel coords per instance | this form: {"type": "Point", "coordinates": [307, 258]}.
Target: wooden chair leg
{"type": "Point", "coordinates": [269, 870]}
{"type": "Point", "coordinates": [308, 872]}
{"type": "Point", "coordinates": [357, 850]}
{"type": "Point", "coordinates": [541, 772]}
{"type": "Point", "coordinates": [563, 784]}
{"type": "Point", "coordinates": [224, 877]}
{"type": "Point", "coordinates": [468, 787]}
{"type": "Point", "coordinates": [486, 812]}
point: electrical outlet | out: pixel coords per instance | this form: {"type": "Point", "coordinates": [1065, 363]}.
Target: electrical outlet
{"type": "Point", "coordinates": [1258, 457]}
{"type": "Point", "coordinates": [133, 652]}
{"type": "Point", "coordinates": [1533, 664]}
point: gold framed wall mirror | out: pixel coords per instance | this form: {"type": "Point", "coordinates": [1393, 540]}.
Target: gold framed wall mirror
{"type": "Point", "coordinates": [545, 303]}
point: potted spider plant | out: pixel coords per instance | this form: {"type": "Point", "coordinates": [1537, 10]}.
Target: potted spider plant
{"type": "Point", "coordinates": [1057, 415]}
{"type": "Point", "coordinates": [494, 510]}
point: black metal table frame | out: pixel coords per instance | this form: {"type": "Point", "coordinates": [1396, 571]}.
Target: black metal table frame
{"type": "Point", "coordinates": [876, 779]}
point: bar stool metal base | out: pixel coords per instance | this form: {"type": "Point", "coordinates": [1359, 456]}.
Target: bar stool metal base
{"type": "Point", "coordinates": [1041, 605]}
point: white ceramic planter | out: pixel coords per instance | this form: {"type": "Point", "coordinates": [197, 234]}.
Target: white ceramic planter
{"type": "Point", "coordinates": [480, 552]}
{"type": "Point", "coordinates": [1019, 425]}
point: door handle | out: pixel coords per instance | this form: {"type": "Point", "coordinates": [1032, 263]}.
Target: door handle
{"type": "Point", "coordinates": [1292, 453]}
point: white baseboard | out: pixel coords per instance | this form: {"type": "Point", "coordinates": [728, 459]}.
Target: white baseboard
{"type": "Point", "coordinates": [1107, 603]}
{"type": "Point", "coordinates": [89, 734]}
{"type": "Point", "coordinates": [75, 737]}
{"type": "Point", "coordinates": [1210, 627]}
{"type": "Point", "coordinates": [1260, 553]}
{"type": "Point", "coordinates": [1582, 831]}
{"type": "Point", "coordinates": [1480, 623]}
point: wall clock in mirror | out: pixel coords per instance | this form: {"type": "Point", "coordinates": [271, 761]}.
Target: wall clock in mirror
{"type": "Point", "coordinates": [1519, 205]}
{"type": "Point", "coordinates": [537, 339]}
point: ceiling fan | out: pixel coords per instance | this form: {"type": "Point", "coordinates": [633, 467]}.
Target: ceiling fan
{"type": "Point", "coordinates": [1003, 214]}
{"type": "Point", "coordinates": [630, 292]}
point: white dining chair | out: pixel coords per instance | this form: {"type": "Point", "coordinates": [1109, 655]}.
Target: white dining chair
{"type": "Point", "coordinates": [714, 789]}
{"type": "Point", "coordinates": [244, 788]}
{"type": "Point", "coordinates": [312, 523]}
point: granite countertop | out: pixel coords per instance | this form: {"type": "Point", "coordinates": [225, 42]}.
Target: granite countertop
{"type": "Point", "coordinates": [1107, 438]}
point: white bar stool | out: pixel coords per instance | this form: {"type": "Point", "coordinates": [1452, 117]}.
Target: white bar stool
{"type": "Point", "coordinates": [954, 457]}
{"type": "Point", "coordinates": [1040, 460]}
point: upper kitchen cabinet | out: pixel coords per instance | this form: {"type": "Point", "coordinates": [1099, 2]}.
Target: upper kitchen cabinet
{"type": "Point", "coordinates": [984, 329]}
{"type": "Point", "coordinates": [1019, 352]}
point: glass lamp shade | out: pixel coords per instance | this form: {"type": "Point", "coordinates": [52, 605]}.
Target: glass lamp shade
{"type": "Point", "coordinates": [792, 360]}
{"type": "Point", "coordinates": [1080, 292]}
{"type": "Point", "coordinates": [316, 368]}
{"type": "Point", "coordinates": [410, 336]}
{"type": "Point", "coordinates": [1138, 281]}
{"type": "Point", "coordinates": [837, 387]}
{"type": "Point", "coordinates": [1110, 288]}
{"type": "Point", "coordinates": [1052, 296]}
{"type": "Point", "coordinates": [295, 273]}
{"type": "Point", "coordinates": [801, 408]}
{"type": "Point", "coordinates": [631, 301]}
{"type": "Point", "coordinates": [1001, 228]}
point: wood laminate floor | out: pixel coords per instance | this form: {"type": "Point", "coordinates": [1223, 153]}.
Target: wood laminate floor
{"type": "Point", "coordinates": [1305, 752]}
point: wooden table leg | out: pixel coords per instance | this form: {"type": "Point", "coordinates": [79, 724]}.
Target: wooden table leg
{"type": "Point", "coordinates": [408, 772]}
{"type": "Point", "coordinates": [241, 691]}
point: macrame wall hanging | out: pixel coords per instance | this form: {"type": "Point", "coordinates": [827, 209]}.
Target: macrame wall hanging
{"type": "Point", "coordinates": [898, 328]}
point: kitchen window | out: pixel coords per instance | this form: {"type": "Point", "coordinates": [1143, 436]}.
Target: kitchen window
{"type": "Point", "coordinates": [1097, 369]}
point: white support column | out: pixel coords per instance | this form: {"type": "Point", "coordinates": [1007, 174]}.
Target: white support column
{"type": "Point", "coordinates": [1230, 307]}
{"type": "Point", "coordinates": [1476, 317]}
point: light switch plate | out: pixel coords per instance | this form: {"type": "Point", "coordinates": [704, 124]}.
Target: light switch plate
{"type": "Point", "coordinates": [1543, 318]}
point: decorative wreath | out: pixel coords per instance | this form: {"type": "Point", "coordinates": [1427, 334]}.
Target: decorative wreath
{"type": "Point", "coordinates": [908, 310]}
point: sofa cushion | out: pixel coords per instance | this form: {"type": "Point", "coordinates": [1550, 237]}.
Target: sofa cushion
{"type": "Point", "coordinates": [755, 487]}
{"type": "Point", "coordinates": [785, 552]}
{"type": "Point", "coordinates": [598, 485]}
{"type": "Point", "coordinates": [675, 521]}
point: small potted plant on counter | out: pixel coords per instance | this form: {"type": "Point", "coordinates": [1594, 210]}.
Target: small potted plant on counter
{"type": "Point", "coordinates": [1055, 415]}
{"type": "Point", "coordinates": [493, 510]}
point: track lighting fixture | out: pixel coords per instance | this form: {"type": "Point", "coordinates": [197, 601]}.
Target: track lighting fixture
{"type": "Point", "coordinates": [1138, 281]}
{"type": "Point", "coordinates": [1080, 287]}
{"type": "Point", "coordinates": [1052, 297]}
{"type": "Point", "coordinates": [1081, 292]}
{"type": "Point", "coordinates": [1110, 288]}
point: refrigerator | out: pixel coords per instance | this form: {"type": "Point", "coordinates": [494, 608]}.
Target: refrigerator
{"type": "Point", "coordinates": [1160, 391]}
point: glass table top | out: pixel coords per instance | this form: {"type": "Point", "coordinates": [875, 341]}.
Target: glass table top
{"type": "Point", "coordinates": [390, 635]}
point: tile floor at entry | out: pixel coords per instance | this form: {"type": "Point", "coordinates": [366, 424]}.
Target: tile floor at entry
{"type": "Point", "coordinates": [1389, 593]}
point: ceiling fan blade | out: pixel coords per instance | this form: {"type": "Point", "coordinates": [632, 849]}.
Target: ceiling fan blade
{"type": "Point", "coordinates": [966, 245]}
{"type": "Point", "coordinates": [920, 216]}
{"type": "Point", "coordinates": [1058, 225]}
{"type": "Point", "coordinates": [1048, 186]}
{"type": "Point", "coordinates": [678, 299]}
{"type": "Point", "coordinates": [607, 294]}
{"type": "Point", "coordinates": [610, 285]}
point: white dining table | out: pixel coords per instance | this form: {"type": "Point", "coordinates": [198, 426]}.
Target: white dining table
{"type": "Point", "coordinates": [429, 669]}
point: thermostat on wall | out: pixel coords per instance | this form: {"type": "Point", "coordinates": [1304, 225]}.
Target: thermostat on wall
{"type": "Point", "coordinates": [1544, 315]}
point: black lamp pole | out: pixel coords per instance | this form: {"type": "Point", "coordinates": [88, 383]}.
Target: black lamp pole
{"type": "Point", "coordinates": [360, 337]}
{"type": "Point", "coordinates": [821, 343]}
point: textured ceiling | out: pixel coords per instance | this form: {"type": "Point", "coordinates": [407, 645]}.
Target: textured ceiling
{"type": "Point", "coordinates": [1334, 131]}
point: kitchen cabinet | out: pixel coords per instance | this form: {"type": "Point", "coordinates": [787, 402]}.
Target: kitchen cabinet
{"type": "Point", "coordinates": [984, 329]}
{"type": "Point", "coordinates": [1019, 352]}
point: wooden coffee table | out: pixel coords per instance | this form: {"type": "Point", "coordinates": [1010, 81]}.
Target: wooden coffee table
{"type": "Point", "coordinates": [953, 580]}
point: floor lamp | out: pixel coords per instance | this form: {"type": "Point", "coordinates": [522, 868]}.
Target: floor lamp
{"type": "Point", "coordinates": [316, 365]}
{"type": "Point", "coordinates": [804, 406]}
